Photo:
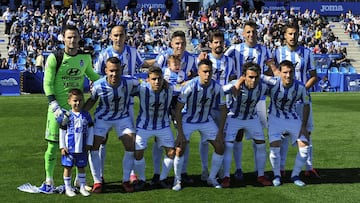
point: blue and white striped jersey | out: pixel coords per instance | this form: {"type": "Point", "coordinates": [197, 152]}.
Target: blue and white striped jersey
{"type": "Point", "coordinates": [78, 133]}
{"type": "Point", "coordinates": [301, 58]}
{"type": "Point", "coordinates": [241, 54]}
{"type": "Point", "coordinates": [243, 106]}
{"type": "Point", "coordinates": [222, 68]}
{"type": "Point", "coordinates": [154, 107]}
{"type": "Point", "coordinates": [200, 100]}
{"type": "Point", "coordinates": [114, 102]}
{"type": "Point", "coordinates": [283, 100]}
{"type": "Point", "coordinates": [130, 59]}
{"type": "Point", "coordinates": [188, 61]}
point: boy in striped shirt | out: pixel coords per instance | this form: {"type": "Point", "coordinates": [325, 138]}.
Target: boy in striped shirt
{"type": "Point", "coordinates": [75, 140]}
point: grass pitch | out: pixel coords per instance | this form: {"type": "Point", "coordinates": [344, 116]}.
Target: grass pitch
{"type": "Point", "coordinates": [336, 156]}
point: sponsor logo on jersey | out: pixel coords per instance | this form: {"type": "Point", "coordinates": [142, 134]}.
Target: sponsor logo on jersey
{"type": "Point", "coordinates": [81, 63]}
{"type": "Point", "coordinates": [73, 72]}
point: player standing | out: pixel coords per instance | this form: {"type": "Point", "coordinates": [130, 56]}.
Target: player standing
{"type": "Point", "coordinates": [197, 98]}
{"type": "Point", "coordinates": [305, 72]}
{"type": "Point", "coordinates": [250, 51]}
{"type": "Point", "coordinates": [114, 91]}
{"type": "Point", "coordinates": [57, 83]}
{"type": "Point", "coordinates": [155, 97]}
{"type": "Point", "coordinates": [283, 117]}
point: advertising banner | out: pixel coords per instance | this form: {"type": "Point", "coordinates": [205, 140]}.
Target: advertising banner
{"type": "Point", "coordinates": [9, 83]}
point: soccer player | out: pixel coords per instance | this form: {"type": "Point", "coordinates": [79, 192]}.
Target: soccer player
{"type": "Point", "coordinates": [250, 51]}
{"type": "Point", "coordinates": [304, 72]}
{"type": "Point", "coordinates": [285, 92]}
{"type": "Point", "coordinates": [223, 72]}
{"type": "Point", "coordinates": [114, 91]}
{"type": "Point", "coordinates": [57, 83]}
{"type": "Point", "coordinates": [196, 100]}
{"type": "Point", "coordinates": [76, 139]}
{"type": "Point", "coordinates": [188, 65]}
{"type": "Point", "coordinates": [130, 60]}
{"type": "Point", "coordinates": [243, 115]}
{"type": "Point", "coordinates": [155, 97]}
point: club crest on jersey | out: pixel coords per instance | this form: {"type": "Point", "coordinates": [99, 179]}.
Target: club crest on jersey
{"type": "Point", "coordinates": [81, 63]}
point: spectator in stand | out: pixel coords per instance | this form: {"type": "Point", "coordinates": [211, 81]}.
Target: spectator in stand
{"type": "Point", "coordinates": [7, 16]}
{"type": "Point", "coordinates": [324, 84]}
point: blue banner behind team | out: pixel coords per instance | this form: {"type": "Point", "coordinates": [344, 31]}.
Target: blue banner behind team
{"type": "Point", "coordinates": [9, 83]}
{"type": "Point", "coordinates": [323, 8]}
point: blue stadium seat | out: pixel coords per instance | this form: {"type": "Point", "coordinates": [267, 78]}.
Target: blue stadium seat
{"type": "Point", "coordinates": [343, 69]}
{"type": "Point", "coordinates": [334, 70]}
{"type": "Point", "coordinates": [352, 70]}
{"type": "Point", "coordinates": [334, 79]}
{"type": "Point", "coordinates": [355, 37]}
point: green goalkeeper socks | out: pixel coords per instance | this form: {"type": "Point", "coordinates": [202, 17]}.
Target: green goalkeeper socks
{"type": "Point", "coordinates": [50, 159]}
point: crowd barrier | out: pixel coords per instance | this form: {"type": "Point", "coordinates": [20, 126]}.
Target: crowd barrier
{"type": "Point", "coordinates": [341, 82]}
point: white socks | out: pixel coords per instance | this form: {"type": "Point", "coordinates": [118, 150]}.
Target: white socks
{"type": "Point", "coordinates": [166, 166]}
{"type": "Point", "coordinates": [95, 163]}
{"type": "Point", "coordinates": [275, 160]}
{"type": "Point", "coordinates": [204, 150]}
{"type": "Point", "coordinates": [260, 157]}
{"type": "Point", "coordinates": [300, 160]}
{"type": "Point", "coordinates": [178, 165]}
{"type": "Point", "coordinates": [216, 161]}
{"type": "Point", "coordinates": [128, 164]}
{"type": "Point", "coordinates": [283, 151]}
{"type": "Point", "coordinates": [238, 146]}
{"type": "Point", "coordinates": [139, 166]}
{"type": "Point", "coordinates": [156, 156]}
{"type": "Point", "coordinates": [227, 158]}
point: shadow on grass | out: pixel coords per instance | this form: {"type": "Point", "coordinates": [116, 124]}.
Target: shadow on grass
{"type": "Point", "coordinates": [328, 176]}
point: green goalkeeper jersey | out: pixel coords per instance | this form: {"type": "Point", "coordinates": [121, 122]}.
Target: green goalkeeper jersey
{"type": "Point", "coordinates": [70, 75]}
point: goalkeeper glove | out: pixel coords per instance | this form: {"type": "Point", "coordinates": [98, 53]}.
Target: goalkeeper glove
{"type": "Point", "coordinates": [61, 115]}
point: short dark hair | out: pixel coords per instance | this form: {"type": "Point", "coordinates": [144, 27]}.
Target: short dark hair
{"type": "Point", "coordinates": [178, 33]}
{"type": "Point", "coordinates": [70, 27]}
{"type": "Point", "coordinates": [75, 92]}
{"type": "Point", "coordinates": [154, 69]}
{"type": "Point", "coordinates": [205, 62]}
{"type": "Point", "coordinates": [251, 66]}
{"type": "Point", "coordinates": [286, 63]}
{"type": "Point", "coordinates": [251, 23]}
{"type": "Point", "coordinates": [292, 25]}
{"type": "Point", "coordinates": [216, 33]}
{"type": "Point", "coordinates": [114, 60]}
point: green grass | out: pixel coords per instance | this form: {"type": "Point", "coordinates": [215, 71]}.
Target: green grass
{"type": "Point", "coordinates": [336, 156]}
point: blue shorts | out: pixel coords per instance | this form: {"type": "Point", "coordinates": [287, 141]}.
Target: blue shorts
{"type": "Point", "coordinates": [78, 159]}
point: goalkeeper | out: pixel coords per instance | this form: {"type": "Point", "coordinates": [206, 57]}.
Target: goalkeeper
{"type": "Point", "coordinates": [59, 78]}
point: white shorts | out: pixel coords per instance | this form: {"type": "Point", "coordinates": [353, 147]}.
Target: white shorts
{"type": "Point", "coordinates": [279, 126]}
{"type": "Point", "coordinates": [299, 111]}
{"type": "Point", "coordinates": [164, 137]}
{"type": "Point", "coordinates": [208, 130]}
{"type": "Point", "coordinates": [121, 126]}
{"type": "Point", "coordinates": [252, 129]}
{"type": "Point", "coordinates": [261, 112]}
